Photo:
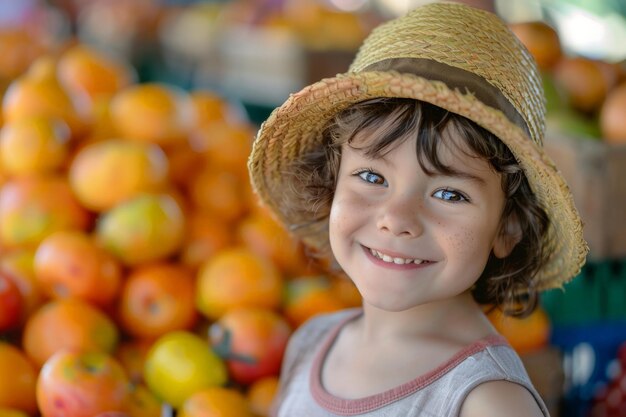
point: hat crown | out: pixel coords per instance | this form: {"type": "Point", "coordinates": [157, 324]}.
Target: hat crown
{"type": "Point", "coordinates": [469, 39]}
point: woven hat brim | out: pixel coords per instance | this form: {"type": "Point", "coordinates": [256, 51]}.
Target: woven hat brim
{"type": "Point", "coordinates": [295, 128]}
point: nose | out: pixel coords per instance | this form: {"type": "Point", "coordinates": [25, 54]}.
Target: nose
{"type": "Point", "coordinates": [401, 216]}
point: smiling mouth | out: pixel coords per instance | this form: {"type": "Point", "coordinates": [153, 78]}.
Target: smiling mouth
{"type": "Point", "coordinates": [394, 260]}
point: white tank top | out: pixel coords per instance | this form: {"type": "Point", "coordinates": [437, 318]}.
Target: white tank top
{"type": "Point", "coordinates": [440, 392]}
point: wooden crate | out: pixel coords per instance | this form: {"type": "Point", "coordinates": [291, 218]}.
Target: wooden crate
{"type": "Point", "coordinates": [596, 174]}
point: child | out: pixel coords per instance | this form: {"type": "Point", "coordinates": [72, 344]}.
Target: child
{"type": "Point", "coordinates": [422, 171]}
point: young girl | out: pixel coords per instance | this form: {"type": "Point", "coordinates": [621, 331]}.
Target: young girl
{"type": "Point", "coordinates": [421, 171]}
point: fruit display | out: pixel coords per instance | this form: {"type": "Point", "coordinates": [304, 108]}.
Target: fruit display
{"type": "Point", "coordinates": [582, 93]}
{"type": "Point", "coordinates": [586, 134]}
{"type": "Point", "coordinates": [137, 271]}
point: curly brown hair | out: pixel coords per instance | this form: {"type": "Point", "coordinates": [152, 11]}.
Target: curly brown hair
{"type": "Point", "coordinates": [507, 283]}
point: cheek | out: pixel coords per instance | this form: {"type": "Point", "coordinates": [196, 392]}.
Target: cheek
{"type": "Point", "coordinates": [347, 213]}
{"type": "Point", "coordinates": [339, 220]}
{"type": "Point", "coordinates": [471, 242]}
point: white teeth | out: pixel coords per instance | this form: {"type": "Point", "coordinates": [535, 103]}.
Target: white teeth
{"type": "Point", "coordinates": [398, 261]}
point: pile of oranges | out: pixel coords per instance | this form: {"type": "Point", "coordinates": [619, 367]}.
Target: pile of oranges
{"type": "Point", "coordinates": [137, 271]}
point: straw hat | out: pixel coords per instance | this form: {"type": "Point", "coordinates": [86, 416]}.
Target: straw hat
{"type": "Point", "coordinates": [462, 59]}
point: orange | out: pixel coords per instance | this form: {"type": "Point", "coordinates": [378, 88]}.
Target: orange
{"type": "Point", "coordinates": [583, 82]}
{"type": "Point", "coordinates": [19, 265]}
{"type": "Point", "coordinates": [70, 264]}
{"type": "Point", "coordinates": [541, 40]}
{"type": "Point", "coordinates": [132, 355]}
{"type": "Point", "coordinates": [216, 402]}
{"type": "Point", "coordinates": [266, 237]}
{"type": "Point", "coordinates": [153, 112]}
{"type": "Point", "coordinates": [146, 228]}
{"type": "Point", "coordinates": [257, 334]}
{"type": "Point", "coordinates": [101, 124]}
{"type": "Point", "coordinates": [237, 277]}
{"type": "Point", "coordinates": [81, 384]}
{"type": "Point", "coordinates": [19, 376]}
{"type": "Point", "coordinates": [309, 296]}
{"type": "Point", "coordinates": [85, 69]}
{"type": "Point", "coordinates": [611, 73]}
{"type": "Point", "coordinates": [210, 107]}
{"type": "Point", "coordinates": [33, 207]}
{"type": "Point", "coordinates": [33, 145]}
{"type": "Point", "coordinates": [321, 27]}
{"type": "Point", "coordinates": [225, 144]}
{"type": "Point", "coordinates": [143, 403]}
{"type": "Point", "coordinates": [39, 93]}
{"type": "Point", "coordinates": [206, 235]}
{"type": "Point", "coordinates": [184, 163]}
{"type": "Point", "coordinates": [261, 394]}
{"type": "Point", "coordinates": [524, 334]}
{"type": "Point", "coordinates": [19, 49]}
{"type": "Point", "coordinates": [157, 299]}
{"type": "Point", "coordinates": [612, 120]}
{"type": "Point", "coordinates": [109, 172]}
{"type": "Point", "coordinates": [220, 192]}
{"type": "Point", "coordinates": [67, 323]}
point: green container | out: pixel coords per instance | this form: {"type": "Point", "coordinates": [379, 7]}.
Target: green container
{"type": "Point", "coordinates": [597, 294]}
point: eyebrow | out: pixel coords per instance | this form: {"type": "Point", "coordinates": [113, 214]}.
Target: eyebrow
{"type": "Point", "coordinates": [461, 175]}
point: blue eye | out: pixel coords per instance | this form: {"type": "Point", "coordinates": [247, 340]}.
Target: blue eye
{"type": "Point", "coordinates": [450, 195]}
{"type": "Point", "coordinates": [371, 177]}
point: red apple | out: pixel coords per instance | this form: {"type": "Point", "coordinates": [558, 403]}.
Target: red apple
{"type": "Point", "coordinates": [81, 384]}
{"type": "Point", "coordinates": [253, 342]}
{"type": "Point", "coordinates": [11, 303]}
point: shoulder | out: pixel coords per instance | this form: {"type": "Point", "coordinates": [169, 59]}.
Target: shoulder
{"type": "Point", "coordinates": [495, 383]}
{"type": "Point", "coordinates": [498, 398]}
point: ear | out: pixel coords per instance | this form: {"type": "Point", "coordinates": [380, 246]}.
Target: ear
{"type": "Point", "coordinates": [509, 235]}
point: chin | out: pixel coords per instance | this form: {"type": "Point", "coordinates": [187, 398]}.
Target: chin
{"type": "Point", "coordinates": [390, 305]}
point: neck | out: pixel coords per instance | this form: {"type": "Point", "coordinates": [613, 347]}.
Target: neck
{"type": "Point", "coordinates": [460, 317]}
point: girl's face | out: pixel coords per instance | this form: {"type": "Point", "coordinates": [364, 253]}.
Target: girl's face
{"type": "Point", "coordinates": [407, 238]}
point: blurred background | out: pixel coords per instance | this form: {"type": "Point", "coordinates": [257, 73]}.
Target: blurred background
{"type": "Point", "coordinates": [126, 125]}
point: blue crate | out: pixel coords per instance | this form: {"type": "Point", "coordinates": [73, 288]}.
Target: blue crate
{"type": "Point", "coordinates": [589, 355]}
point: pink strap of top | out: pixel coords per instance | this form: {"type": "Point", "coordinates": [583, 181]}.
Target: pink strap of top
{"type": "Point", "coordinates": [344, 406]}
